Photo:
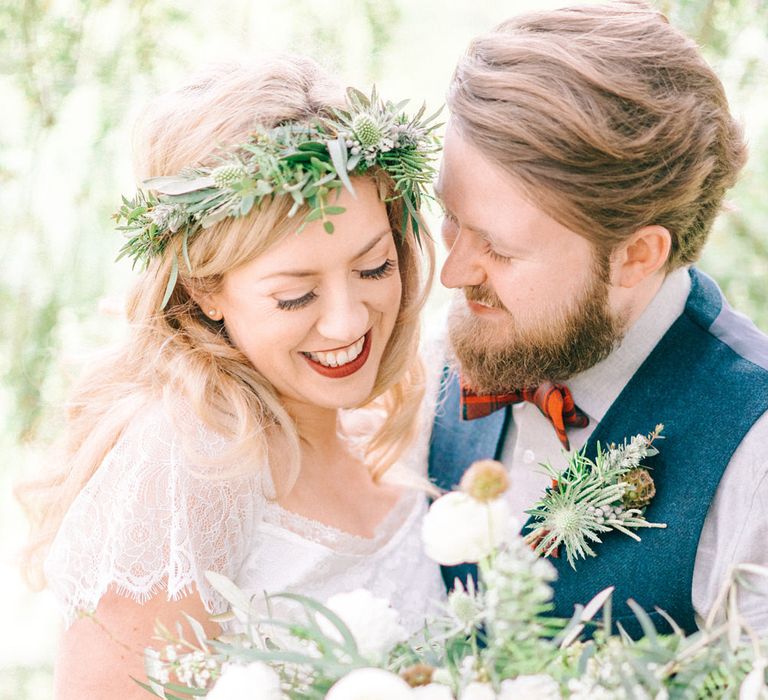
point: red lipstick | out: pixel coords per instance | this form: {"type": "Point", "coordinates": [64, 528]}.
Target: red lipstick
{"type": "Point", "coordinates": [344, 370]}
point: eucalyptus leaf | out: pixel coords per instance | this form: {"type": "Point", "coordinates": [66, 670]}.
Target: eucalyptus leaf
{"type": "Point", "coordinates": [185, 250]}
{"type": "Point", "coordinates": [191, 197]}
{"type": "Point", "coordinates": [326, 612]}
{"type": "Point", "coordinates": [229, 591]}
{"type": "Point", "coordinates": [171, 282]}
{"type": "Point", "coordinates": [213, 218]}
{"type": "Point", "coordinates": [247, 204]}
{"type": "Point", "coordinates": [175, 185]}
{"type": "Point", "coordinates": [195, 692]}
{"type": "Point", "coordinates": [147, 687]}
{"type": "Point", "coordinates": [199, 632]}
{"type": "Point", "coordinates": [338, 151]}
{"type": "Point", "coordinates": [649, 629]}
{"type": "Point", "coordinates": [353, 162]}
{"type": "Point", "coordinates": [355, 96]}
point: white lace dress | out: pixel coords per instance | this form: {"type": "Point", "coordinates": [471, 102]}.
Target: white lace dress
{"type": "Point", "coordinates": [151, 521]}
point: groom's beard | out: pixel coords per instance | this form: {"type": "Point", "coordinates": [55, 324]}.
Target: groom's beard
{"type": "Point", "coordinates": [497, 356]}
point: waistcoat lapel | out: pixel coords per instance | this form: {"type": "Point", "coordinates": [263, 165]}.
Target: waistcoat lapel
{"type": "Point", "coordinates": [455, 444]}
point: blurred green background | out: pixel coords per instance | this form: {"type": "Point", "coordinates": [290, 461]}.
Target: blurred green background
{"type": "Point", "coordinates": [73, 78]}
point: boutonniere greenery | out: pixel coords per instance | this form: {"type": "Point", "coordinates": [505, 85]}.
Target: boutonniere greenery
{"type": "Point", "coordinates": [590, 498]}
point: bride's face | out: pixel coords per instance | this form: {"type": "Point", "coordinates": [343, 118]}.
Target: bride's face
{"type": "Point", "coordinates": [314, 313]}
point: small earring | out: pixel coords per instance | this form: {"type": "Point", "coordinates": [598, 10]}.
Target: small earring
{"type": "Point", "coordinates": [213, 313]}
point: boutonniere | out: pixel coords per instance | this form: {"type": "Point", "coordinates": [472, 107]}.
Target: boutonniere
{"type": "Point", "coordinates": [591, 498]}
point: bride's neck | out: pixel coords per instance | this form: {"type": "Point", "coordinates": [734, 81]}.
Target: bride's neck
{"type": "Point", "coordinates": [318, 430]}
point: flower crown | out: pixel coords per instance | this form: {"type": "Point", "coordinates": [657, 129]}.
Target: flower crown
{"type": "Point", "coordinates": [306, 162]}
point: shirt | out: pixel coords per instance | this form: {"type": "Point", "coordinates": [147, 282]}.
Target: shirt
{"type": "Point", "coordinates": [736, 527]}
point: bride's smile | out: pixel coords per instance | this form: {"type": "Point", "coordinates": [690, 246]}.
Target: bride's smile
{"type": "Point", "coordinates": [340, 362]}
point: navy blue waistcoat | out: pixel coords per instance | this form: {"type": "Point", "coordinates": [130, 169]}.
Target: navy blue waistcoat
{"type": "Point", "coordinates": [707, 382]}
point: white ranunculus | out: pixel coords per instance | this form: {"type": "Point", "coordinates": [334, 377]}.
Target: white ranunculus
{"type": "Point", "coordinates": [478, 691]}
{"type": "Point", "coordinates": [370, 684]}
{"type": "Point", "coordinates": [538, 687]}
{"type": "Point", "coordinates": [256, 681]}
{"type": "Point", "coordinates": [432, 691]}
{"type": "Point", "coordinates": [372, 621]}
{"type": "Point", "coordinates": [460, 529]}
{"type": "Point", "coordinates": [753, 685]}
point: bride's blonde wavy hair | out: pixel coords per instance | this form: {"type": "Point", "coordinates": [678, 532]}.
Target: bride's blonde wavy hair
{"type": "Point", "coordinates": [180, 353]}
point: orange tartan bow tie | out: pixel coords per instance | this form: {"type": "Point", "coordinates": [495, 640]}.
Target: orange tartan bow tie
{"type": "Point", "coordinates": [555, 401]}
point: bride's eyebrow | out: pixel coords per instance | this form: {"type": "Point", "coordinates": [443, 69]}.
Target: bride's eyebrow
{"type": "Point", "coordinates": [309, 273]}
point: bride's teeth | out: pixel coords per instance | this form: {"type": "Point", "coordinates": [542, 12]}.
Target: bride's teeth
{"type": "Point", "coordinates": [339, 357]}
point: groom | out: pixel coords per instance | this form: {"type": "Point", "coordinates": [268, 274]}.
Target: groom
{"type": "Point", "coordinates": [587, 154]}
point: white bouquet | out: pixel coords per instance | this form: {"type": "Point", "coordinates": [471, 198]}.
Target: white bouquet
{"type": "Point", "coordinates": [494, 641]}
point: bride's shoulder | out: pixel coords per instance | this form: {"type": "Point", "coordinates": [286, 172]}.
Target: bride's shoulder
{"type": "Point", "coordinates": [167, 436]}
{"type": "Point", "coordinates": [160, 510]}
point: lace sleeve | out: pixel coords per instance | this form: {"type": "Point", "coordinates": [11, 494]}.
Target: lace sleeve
{"type": "Point", "coordinates": [147, 522]}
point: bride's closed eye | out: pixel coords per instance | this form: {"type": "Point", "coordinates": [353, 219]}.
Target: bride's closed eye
{"type": "Point", "coordinates": [377, 273]}
{"type": "Point", "coordinates": [298, 303]}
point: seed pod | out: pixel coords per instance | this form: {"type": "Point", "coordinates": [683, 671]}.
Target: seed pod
{"type": "Point", "coordinates": [640, 488]}
{"type": "Point", "coordinates": [418, 675]}
{"type": "Point", "coordinates": [485, 480]}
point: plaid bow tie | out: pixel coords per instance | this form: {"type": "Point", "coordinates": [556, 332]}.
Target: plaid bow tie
{"type": "Point", "coordinates": [555, 401]}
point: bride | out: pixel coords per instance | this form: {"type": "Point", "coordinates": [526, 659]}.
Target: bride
{"type": "Point", "coordinates": [213, 438]}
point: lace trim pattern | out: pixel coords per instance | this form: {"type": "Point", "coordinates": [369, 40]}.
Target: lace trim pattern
{"type": "Point", "coordinates": [340, 540]}
{"type": "Point", "coordinates": [148, 521]}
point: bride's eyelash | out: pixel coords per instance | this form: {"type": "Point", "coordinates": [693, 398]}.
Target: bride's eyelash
{"type": "Point", "coordinates": [376, 274]}
{"type": "Point", "coordinates": [380, 272]}
{"type": "Point", "coordinates": [292, 304]}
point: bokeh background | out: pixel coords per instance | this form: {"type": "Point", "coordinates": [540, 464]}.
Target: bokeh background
{"type": "Point", "coordinates": [74, 75]}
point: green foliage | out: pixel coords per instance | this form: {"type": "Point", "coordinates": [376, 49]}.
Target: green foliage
{"type": "Point", "coordinates": [733, 35]}
{"type": "Point", "coordinates": [591, 498]}
{"type": "Point", "coordinates": [53, 57]}
{"type": "Point", "coordinates": [308, 162]}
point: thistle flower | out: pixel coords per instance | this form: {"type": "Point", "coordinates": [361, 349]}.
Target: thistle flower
{"type": "Point", "coordinates": [587, 499]}
{"type": "Point", "coordinates": [228, 175]}
{"type": "Point", "coordinates": [464, 605]}
{"type": "Point", "coordinates": [367, 130]}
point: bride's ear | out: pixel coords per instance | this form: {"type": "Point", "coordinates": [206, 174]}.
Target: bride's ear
{"type": "Point", "coordinates": [208, 304]}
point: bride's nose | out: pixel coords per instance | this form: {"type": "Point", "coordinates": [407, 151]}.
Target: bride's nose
{"type": "Point", "coordinates": [344, 315]}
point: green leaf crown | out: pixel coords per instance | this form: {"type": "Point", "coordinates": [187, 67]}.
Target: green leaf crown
{"type": "Point", "coordinates": [307, 162]}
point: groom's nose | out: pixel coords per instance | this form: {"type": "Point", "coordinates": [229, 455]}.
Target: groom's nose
{"type": "Point", "coordinates": [463, 266]}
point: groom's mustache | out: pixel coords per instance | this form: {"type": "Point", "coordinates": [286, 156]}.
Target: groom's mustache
{"type": "Point", "coordinates": [483, 295]}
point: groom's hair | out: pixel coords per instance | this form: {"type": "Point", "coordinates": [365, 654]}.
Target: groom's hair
{"type": "Point", "coordinates": [607, 116]}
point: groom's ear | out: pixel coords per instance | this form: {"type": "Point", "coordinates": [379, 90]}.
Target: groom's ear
{"type": "Point", "coordinates": [645, 253]}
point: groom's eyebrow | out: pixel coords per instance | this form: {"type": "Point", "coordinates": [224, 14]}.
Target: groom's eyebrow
{"type": "Point", "coordinates": [487, 236]}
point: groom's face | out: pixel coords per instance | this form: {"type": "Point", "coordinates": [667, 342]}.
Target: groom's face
{"type": "Point", "coordinates": [536, 294]}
